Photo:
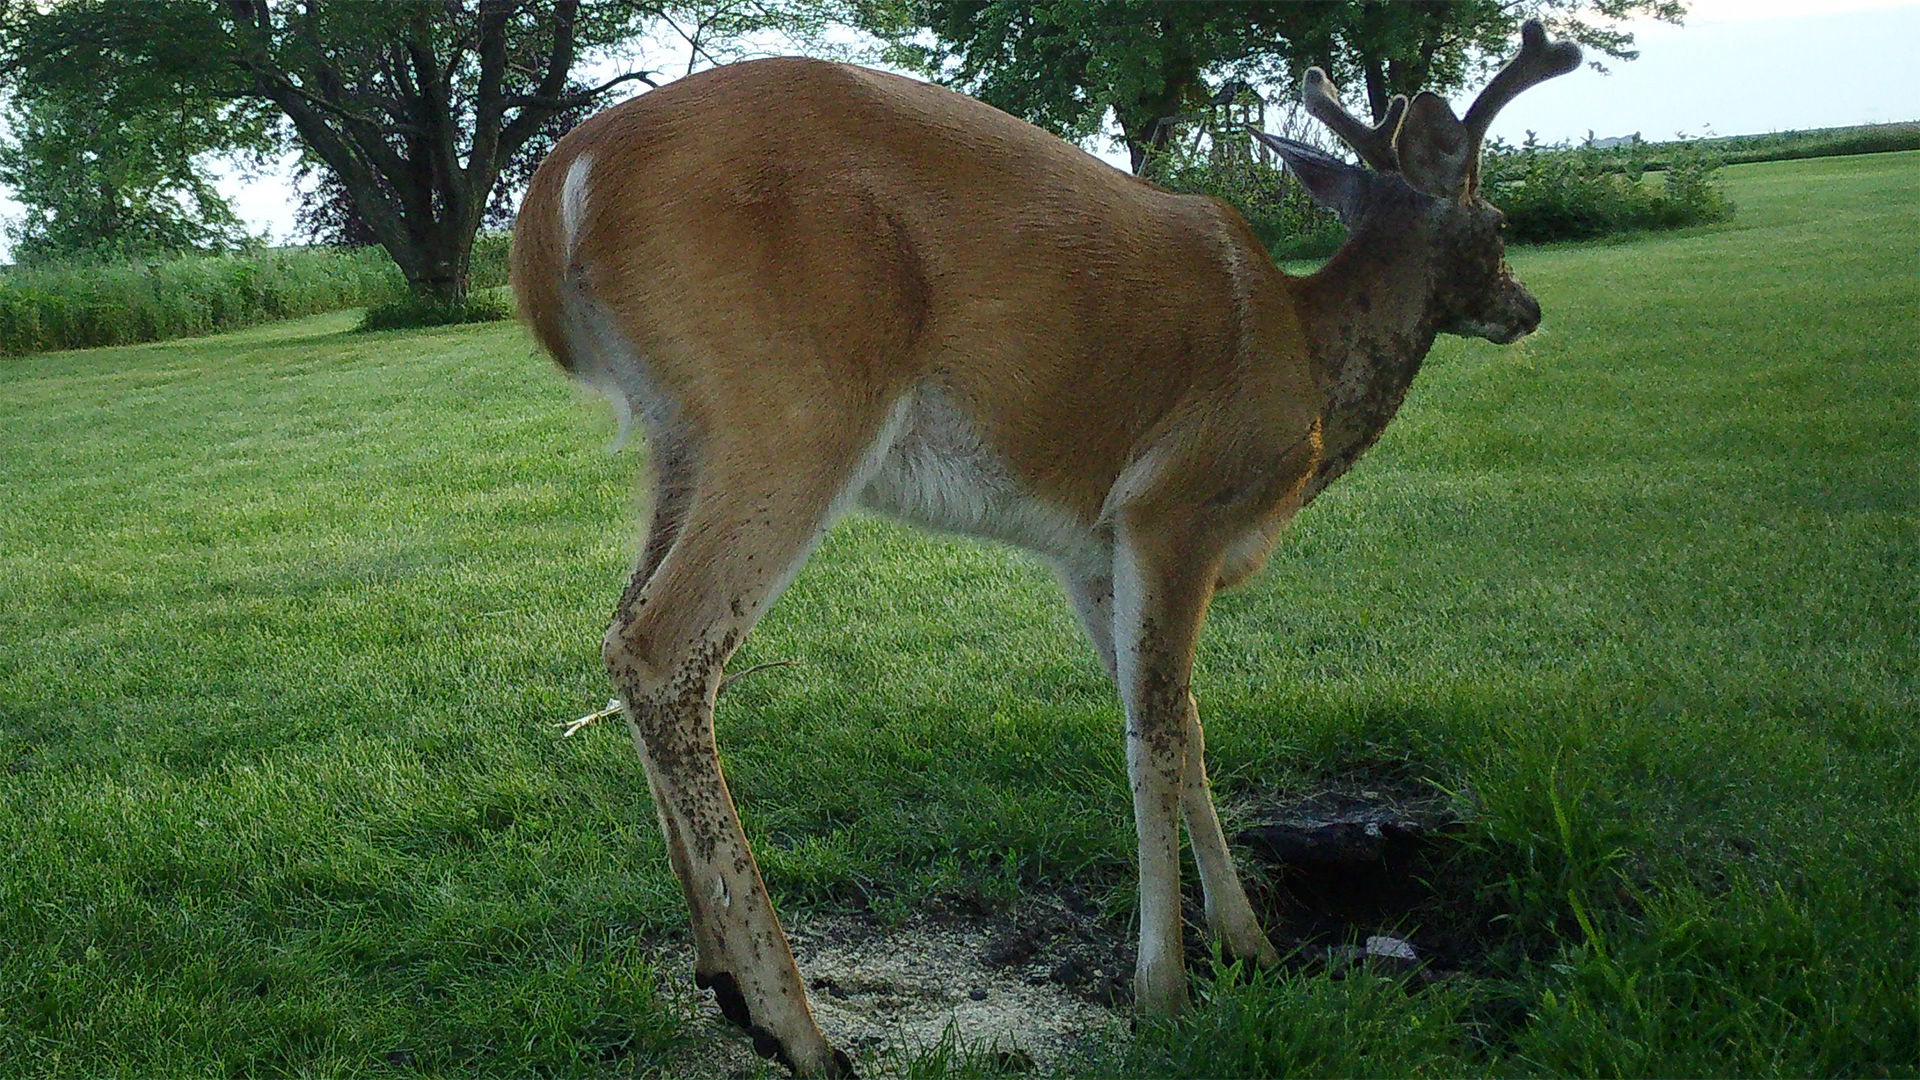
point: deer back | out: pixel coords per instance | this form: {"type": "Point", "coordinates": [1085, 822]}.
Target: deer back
{"type": "Point", "coordinates": [771, 232]}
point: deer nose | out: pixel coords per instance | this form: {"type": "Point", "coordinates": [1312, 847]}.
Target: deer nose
{"type": "Point", "coordinates": [1529, 311]}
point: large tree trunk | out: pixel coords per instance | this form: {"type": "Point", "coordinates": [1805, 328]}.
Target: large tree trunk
{"type": "Point", "coordinates": [439, 270]}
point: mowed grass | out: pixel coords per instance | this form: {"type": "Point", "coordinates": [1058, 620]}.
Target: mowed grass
{"type": "Point", "coordinates": [289, 613]}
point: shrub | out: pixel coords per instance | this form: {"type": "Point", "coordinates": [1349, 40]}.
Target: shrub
{"type": "Point", "coordinates": [410, 311]}
{"type": "Point", "coordinates": [1579, 193]}
{"type": "Point", "coordinates": [1281, 214]}
{"type": "Point", "coordinates": [1547, 193]}
{"type": "Point", "coordinates": [1831, 142]}
{"type": "Point", "coordinates": [489, 268]}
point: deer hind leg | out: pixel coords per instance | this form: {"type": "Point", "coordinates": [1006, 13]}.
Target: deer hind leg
{"type": "Point", "coordinates": [674, 477]}
{"type": "Point", "coordinates": [1229, 915]}
{"type": "Point", "coordinates": [754, 514]}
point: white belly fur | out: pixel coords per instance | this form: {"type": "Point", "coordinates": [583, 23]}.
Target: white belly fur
{"type": "Point", "coordinates": [939, 473]}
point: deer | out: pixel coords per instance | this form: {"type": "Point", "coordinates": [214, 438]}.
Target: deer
{"type": "Point", "coordinates": [818, 286]}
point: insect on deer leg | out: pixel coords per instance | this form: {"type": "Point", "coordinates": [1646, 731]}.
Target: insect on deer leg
{"type": "Point", "coordinates": [745, 532]}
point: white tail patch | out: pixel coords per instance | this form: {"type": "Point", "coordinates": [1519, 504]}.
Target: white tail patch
{"type": "Point", "coordinates": [606, 362]}
{"type": "Point", "coordinates": [573, 202]}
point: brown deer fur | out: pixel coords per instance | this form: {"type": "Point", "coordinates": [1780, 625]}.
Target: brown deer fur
{"type": "Point", "coordinates": [815, 285]}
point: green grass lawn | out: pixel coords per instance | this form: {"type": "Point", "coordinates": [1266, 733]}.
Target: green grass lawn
{"type": "Point", "coordinates": [288, 615]}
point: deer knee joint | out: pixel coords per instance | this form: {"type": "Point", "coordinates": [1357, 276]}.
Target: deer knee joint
{"type": "Point", "coordinates": [625, 652]}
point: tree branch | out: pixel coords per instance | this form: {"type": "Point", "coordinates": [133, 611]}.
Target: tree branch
{"type": "Point", "coordinates": [585, 97]}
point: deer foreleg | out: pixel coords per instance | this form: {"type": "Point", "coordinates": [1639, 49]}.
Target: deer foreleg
{"type": "Point", "coordinates": [1229, 916]}
{"type": "Point", "coordinates": [1161, 586]}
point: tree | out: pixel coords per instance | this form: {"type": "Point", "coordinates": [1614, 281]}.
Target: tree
{"type": "Point", "coordinates": [1388, 47]}
{"type": "Point", "coordinates": [415, 108]}
{"type": "Point", "coordinates": [1064, 64]}
{"type": "Point", "coordinates": [328, 214]}
{"type": "Point", "coordinates": [101, 186]}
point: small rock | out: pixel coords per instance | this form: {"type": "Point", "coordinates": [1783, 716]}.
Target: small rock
{"type": "Point", "coordinates": [978, 994]}
{"type": "Point", "coordinates": [1391, 948]}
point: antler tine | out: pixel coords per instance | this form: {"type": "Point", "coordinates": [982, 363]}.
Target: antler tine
{"type": "Point", "coordinates": [1537, 62]}
{"type": "Point", "coordinates": [1374, 144]}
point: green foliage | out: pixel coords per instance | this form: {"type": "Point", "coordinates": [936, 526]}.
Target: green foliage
{"type": "Point", "coordinates": [415, 109]}
{"type": "Point", "coordinates": [414, 310]}
{"type": "Point", "coordinates": [1772, 146]}
{"type": "Point", "coordinates": [1747, 979]}
{"type": "Point", "coordinates": [76, 307]}
{"type": "Point", "coordinates": [490, 254]}
{"type": "Point", "coordinates": [1274, 1023]}
{"type": "Point", "coordinates": [1064, 64]}
{"type": "Point", "coordinates": [1830, 142]}
{"type": "Point", "coordinates": [1545, 820]}
{"type": "Point", "coordinates": [100, 186]}
{"type": "Point", "coordinates": [1578, 194]}
{"type": "Point", "coordinates": [1547, 194]}
{"type": "Point", "coordinates": [487, 302]}
{"type": "Point", "coordinates": [1280, 212]}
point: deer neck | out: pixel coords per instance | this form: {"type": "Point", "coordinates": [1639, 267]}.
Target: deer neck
{"type": "Point", "coordinates": [1368, 314]}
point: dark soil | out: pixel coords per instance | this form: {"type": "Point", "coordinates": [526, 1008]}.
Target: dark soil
{"type": "Point", "coordinates": [1352, 861]}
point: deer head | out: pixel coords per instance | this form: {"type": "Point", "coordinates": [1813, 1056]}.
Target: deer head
{"type": "Point", "coordinates": [1421, 193]}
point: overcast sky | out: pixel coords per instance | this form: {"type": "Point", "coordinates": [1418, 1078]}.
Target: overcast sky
{"type": "Point", "coordinates": [1737, 67]}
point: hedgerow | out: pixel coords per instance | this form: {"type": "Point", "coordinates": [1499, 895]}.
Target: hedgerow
{"type": "Point", "coordinates": [75, 307]}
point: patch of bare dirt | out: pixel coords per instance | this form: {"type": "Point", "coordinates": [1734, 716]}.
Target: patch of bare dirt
{"type": "Point", "coordinates": [1354, 874]}
{"type": "Point", "coordinates": [1033, 987]}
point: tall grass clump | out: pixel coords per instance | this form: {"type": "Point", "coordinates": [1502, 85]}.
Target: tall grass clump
{"type": "Point", "coordinates": [1561, 193]}
{"type": "Point", "coordinates": [76, 307]}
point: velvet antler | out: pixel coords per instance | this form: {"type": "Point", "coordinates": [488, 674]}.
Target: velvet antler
{"type": "Point", "coordinates": [1373, 143]}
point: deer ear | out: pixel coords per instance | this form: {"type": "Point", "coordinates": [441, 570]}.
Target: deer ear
{"type": "Point", "coordinates": [1435, 151]}
{"type": "Point", "coordinates": [1333, 183]}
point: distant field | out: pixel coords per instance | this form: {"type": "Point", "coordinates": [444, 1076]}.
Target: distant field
{"type": "Point", "coordinates": [1773, 146]}
{"type": "Point", "coordinates": [289, 613]}
{"type": "Point", "coordinates": [1821, 142]}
